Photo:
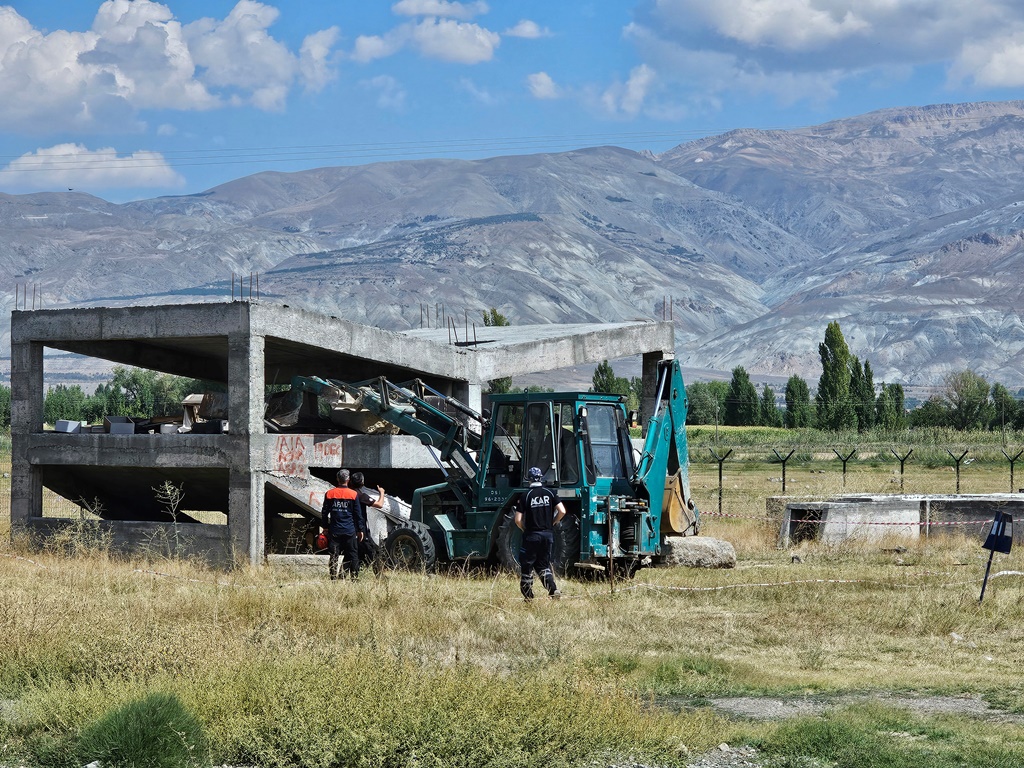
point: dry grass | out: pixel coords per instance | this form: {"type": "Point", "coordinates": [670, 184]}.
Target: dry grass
{"type": "Point", "coordinates": [457, 670]}
{"type": "Point", "coordinates": [254, 650]}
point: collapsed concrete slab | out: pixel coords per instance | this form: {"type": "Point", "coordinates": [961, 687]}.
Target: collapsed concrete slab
{"type": "Point", "coordinates": [248, 346]}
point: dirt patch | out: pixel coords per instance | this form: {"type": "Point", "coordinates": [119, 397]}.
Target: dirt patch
{"type": "Point", "coordinates": [758, 708]}
{"type": "Point", "coordinates": [778, 708]}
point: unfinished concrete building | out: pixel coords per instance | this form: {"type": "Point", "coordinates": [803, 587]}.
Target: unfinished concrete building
{"type": "Point", "coordinates": [247, 480]}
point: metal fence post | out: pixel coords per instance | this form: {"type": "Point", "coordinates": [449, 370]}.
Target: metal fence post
{"type": "Point", "coordinates": [721, 460]}
{"type": "Point", "coordinates": [783, 462]}
{"type": "Point", "coordinates": [957, 460]}
{"type": "Point", "coordinates": [903, 461]}
{"type": "Point", "coordinates": [844, 459]}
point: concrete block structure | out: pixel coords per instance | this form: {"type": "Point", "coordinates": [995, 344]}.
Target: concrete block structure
{"type": "Point", "coordinates": [238, 477]}
{"type": "Point", "coordinates": [866, 518]}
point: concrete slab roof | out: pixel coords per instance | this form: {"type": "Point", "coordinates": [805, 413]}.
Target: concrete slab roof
{"type": "Point", "coordinates": [193, 340]}
{"type": "Point", "coordinates": [516, 350]}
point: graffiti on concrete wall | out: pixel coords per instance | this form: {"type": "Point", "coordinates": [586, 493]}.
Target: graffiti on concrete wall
{"type": "Point", "coordinates": [290, 456]}
{"type": "Point", "coordinates": [293, 455]}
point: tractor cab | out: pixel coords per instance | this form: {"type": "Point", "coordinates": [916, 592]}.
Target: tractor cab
{"type": "Point", "coordinates": [579, 440]}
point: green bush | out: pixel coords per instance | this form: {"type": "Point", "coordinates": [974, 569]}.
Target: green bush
{"type": "Point", "coordinates": [154, 732]}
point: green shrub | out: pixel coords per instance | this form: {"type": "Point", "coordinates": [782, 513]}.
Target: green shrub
{"type": "Point", "coordinates": [154, 732]}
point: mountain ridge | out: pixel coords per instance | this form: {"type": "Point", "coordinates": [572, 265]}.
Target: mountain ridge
{"type": "Point", "coordinates": [905, 225]}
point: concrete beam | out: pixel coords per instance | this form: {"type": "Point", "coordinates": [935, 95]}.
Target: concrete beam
{"type": "Point", "coordinates": [191, 363]}
{"type": "Point", "coordinates": [374, 347]}
{"type": "Point", "coordinates": [519, 350]}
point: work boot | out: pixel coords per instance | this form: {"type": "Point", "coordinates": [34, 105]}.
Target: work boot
{"type": "Point", "coordinates": [555, 595]}
{"type": "Point", "coordinates": [526, 586]}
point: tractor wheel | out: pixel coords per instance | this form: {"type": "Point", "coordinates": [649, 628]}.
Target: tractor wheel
{"type": "Point", "coordinates": [510, 540]}
{"type": "Point", "coordinates": [567, 546]}
{"type": "Point", "coordinates": [411, 548]}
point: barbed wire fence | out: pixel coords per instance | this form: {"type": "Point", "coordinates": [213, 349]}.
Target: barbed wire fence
{"type": "Point", "coordinates": [732, 478]}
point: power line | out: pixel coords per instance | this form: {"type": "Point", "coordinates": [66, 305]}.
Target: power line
{"type": "Point", "coordinates": [400, 149]}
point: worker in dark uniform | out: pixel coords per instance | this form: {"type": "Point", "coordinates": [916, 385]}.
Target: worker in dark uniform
{"type": "Point", "coordinates": [537, 513]}
{"type": "Point", "coordinates": [346, 527]}
{"type": "Point", "coordinates": [367, 547]}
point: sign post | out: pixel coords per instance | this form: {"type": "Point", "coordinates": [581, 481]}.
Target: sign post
{"type": "Point", "coordinates": [1000, 539]}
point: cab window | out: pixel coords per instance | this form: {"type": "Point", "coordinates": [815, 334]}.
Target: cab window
{"type": "Point", "coordinates": [604, 440]}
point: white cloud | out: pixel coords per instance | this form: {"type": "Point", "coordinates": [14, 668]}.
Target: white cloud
{"type": "Point", "coordinates": [480, 94]}
{"type": "Point", "coordinates": [528, 29]}
{"type": "Point", "coordinates": [700, 76]}
{"type": "Point", "coordinates": [787, 24]}
{"type": "Point", "coordinates": [73, 165]}
{"type": "Point", "coordinates": [316, 55]}
{"type": "Point", "coordinates": [542, 86]}
{"type": "Point", "coordinates": [782, 46]}
{"type": "Point", "coordinates": [452, 10]}
{"type": "Point", "coordinates": [137, 56]}
{"type": "Point", "coordinates": [455, 41]}
{"type": "Point", "coordinates": [390, 94]}
{"type": "Point", "coordinates": [992, 64]}
{"type": "Point", "coordinates": [439, 36]}
{"type": "Point", "coordinates": [370, 47]}
{"type": "Point", "coordinates": [627, 99]}
{"type": "Point", "coordinates": [238, 55]}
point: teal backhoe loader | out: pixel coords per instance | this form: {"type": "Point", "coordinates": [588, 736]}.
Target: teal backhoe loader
{"type": "Point", "coordinates": [622, 502]}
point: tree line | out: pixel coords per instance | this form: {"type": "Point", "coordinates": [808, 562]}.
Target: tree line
{"type": "Point", "coordinates": [134, 392]}
{"type": "Point", "coordinates": [846, 398]}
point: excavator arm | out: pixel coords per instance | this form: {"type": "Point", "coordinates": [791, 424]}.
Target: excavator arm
{"type": "Point", "coordinates": [414, 409]}
{"type": "Point", "coordinates": [663, 469]}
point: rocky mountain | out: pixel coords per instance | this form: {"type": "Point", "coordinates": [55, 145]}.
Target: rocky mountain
{"type": "Point", "coordinates": [916, 215]}
{"type": "Point", "coordinates": [905, 225]}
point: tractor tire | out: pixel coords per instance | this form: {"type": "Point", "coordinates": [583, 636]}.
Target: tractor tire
{"type": "Point", "coordinates": [567, 546]}
{"type": "Point", "coordinates": [411, 548]}
{"type": "Point", "coordinates": [510, 540]}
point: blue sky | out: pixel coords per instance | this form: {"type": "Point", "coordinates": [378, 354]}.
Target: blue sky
{"type": "Point", "coordinates": [129, 99]}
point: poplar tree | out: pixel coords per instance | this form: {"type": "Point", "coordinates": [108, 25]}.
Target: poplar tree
{"type": "Point", "coordinates": [835, 410]}
{"type": "Point", "coordinates": [741, 405]}
{"type": "Point", "coordinates": [798, 403]}
{"type": "Point", "coordinates": [769, 415]}
{"type": "Point", "coordinates": [889, 408]}
{"type": "Point", "coordinates": [862, 392]}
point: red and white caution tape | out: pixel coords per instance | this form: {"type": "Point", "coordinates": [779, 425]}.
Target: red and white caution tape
{"type": "Point", "coordinates": [847, 522]}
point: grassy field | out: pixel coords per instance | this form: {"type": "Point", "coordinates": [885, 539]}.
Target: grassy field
{"type": "Point", "coordinates": [98, 656]}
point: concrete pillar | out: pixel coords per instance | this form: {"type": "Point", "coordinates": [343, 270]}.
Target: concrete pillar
{"type": "Point", "coordinates": [246, 383]}
{"type": "Point", "coordinates": [469, 393]}
{"type": "Point", "coordinates": [26, 419]}
{"type": "Point", "coordinates": [246, 523]}
{"type": "Point", "coordinates": [650, 385]}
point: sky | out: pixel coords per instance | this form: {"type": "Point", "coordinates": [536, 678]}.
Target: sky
{"type": "Point", "coordinates": [131, 99]}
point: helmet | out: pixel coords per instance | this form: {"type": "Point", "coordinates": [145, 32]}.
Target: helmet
{"type": "Point", "coordinates": [535, 474]}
